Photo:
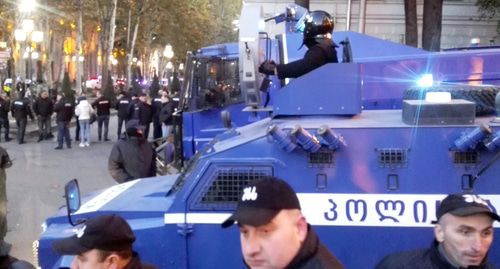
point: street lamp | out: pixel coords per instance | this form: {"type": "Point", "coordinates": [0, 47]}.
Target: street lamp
{"type": "Point", "coordinates": [27, 35]}
{"type": "Point", "coordinates": [168, 53]}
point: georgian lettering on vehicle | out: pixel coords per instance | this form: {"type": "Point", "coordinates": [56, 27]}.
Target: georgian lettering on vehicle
{"type": "Point", "coordinates": [402, 210]}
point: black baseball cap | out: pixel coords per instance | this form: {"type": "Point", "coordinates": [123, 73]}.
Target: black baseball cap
{"type": "Point", "coordinates": [464, 204]}
{"type": "Point", "coordinates": [134, 124]}
{"type": "Point", "coordinates": [106, 232]}
{"type": "Point", "coordinates": [261, 201]}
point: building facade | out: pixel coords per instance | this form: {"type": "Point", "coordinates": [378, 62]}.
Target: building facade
{"type": "Point", "coordinates": [386, 19]}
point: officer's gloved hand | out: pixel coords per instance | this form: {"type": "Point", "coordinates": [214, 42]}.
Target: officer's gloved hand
{"type": "Point", "coordinates": [267, 68]}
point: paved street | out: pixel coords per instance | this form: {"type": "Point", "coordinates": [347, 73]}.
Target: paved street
{"type": "Point", "coordinates": [35, 183]}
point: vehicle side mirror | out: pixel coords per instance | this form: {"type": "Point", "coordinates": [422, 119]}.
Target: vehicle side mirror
{"type": "Point", "coordinates": [72, 195]}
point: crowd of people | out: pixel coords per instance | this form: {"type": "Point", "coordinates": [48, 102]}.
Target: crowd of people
{"type": "Point", "coordinates": [155, 109]}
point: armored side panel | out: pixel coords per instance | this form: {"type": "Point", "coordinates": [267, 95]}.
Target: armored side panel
{"type": "Point", "coordinates": [333, 89]}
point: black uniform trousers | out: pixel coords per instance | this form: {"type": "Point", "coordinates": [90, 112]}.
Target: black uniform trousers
{"type": "Point", "coordinates": [102, 120]}
{"type": "Point", "coordinates": [121, 122]}
{"type": "Point", "coordinates": [21, 129]}
{"type": "Point", "coordinates": [63, 133]}
{"type": "Point", "coordinates": [4, 123]}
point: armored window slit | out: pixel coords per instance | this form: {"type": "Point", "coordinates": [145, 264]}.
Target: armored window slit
{"type": "Point", "coordinates": [467, 157]}
{"type": "Point", "coordinates": [224, 188]}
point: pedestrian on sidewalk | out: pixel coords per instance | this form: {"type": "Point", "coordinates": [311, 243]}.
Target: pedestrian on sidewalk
{"type": "Point", "coordinates": [44, 108]}
{"type": "Point", "coordinates": [84, 111]}
{"type": "Point", "coordinates": [102, 104]}
{"type": "Point", "coordinates": [21, 109]}
{"type": "Point", "coordinates": [64, 109]}
{"type": "Point", "coordinates": [4, 115]}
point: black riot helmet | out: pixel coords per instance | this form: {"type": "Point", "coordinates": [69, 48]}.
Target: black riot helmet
{"type": "Point", "coordinates": [318, 25]}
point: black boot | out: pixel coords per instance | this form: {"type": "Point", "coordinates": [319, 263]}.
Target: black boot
{"type": "Point", "coordinates": [40, 138]}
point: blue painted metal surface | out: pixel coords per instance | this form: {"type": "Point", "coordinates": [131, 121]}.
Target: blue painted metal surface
{"type": "Point", "coordinates": [380, 182]}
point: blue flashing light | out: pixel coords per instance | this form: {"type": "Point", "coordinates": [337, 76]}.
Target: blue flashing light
{"type": "Point", "coordinates": [427, 80]}
{"type": "Point", "coordinates": [307, 141]}
{"type": "Point", "coordinates": [282, 138]}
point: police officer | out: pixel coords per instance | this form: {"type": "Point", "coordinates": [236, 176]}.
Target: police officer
{"type": "Point", "coordinates": [156, 106]}
{"type": "Point", "coordinates": [4, 115]}
{"type": "Point", "coordinates": [122, 106]}
{"type": "Point", "coordinates": [321, 49]}
{"type": "Point", "coordinates": [141, 110]}
{"type": "Point", "coordinates": [21, 109]}
{"type": "Point", "coordinates": [103, 105]}
{"type": "Point", "coordinates": [43, 108]}
{"type": "Point", "coordinates": [64, 109]}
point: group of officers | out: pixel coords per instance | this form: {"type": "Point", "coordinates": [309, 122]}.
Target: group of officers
{"type": "Point", "coordinates": [129, 106]}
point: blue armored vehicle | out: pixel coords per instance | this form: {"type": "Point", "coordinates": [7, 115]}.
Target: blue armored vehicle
{"type": "Point", "coordinates": [369, 152]}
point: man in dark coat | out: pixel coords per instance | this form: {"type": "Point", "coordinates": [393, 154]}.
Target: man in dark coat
{"type": "Point", "coordinates": [122, 106]}
{"type": "Point", "coordinates": [102, 242]}
{"type": "Point", "coordinates": [4, 115]}
{"type": "Point", "coordinates": [64, 109]}
{"type": "Point", "coordinates": [270, 204]}
{"type": "Point", "coordinates": [141, 110]}
{"type": "Point", "coordinates": [156, 107]}
{"type": "Point", "coordinates": [21, 109]}
{"type": "Point", "coordinates": [133, 157]}
{"type": "Point", "coordinates": [321, 49]}
{"type": "Point", "coordinates": [103, 105]}
{"type": "Point", "coordinates": [43, 108]}
{"type": "Point", "coordinates": [463, 235]}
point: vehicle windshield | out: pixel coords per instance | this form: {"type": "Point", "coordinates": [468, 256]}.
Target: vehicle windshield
{"type": "Point", "coordinates": [216, 83]}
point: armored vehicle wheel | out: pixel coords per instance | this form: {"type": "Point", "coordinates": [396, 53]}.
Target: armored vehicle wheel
{"type": "Point", "coordinates": [483, 96]}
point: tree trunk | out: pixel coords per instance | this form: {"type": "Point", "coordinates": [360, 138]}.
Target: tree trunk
{"type": "Point", "coordinates": [79, 64]}
{"type": "Point", "coordinates": [431, 33]}
{"type": "Point", "coordinates": [411, 25]}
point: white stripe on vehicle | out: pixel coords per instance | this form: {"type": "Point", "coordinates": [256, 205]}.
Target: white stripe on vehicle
{"type": "Point", "coordinates": [332, 209]}
{"type": "Point", "coordinates": [104, 197]}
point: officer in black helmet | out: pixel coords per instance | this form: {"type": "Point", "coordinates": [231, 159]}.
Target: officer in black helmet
{"type": "Point", "coordinates": [318, 39]}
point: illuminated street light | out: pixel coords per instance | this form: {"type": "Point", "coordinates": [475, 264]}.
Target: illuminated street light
{"type": "Point", "coordinates": [168, 51]}
{"type": "Point", "coordinates": [26, 6]}
{"type": "Point", "coordinates": [28, 35]}
{"type": "Point", "coordinates": [181, 66]}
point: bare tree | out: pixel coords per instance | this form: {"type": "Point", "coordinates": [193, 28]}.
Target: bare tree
{"type": "Point", "coordinates": [107, 16]}
{"type": "Point", "coordinates": [411, 25]}
{"type": "Point", "coordinates": [431, 32]}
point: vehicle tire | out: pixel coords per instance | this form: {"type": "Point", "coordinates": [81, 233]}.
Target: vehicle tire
{"type": "Point", "coordinates": [483, 96]}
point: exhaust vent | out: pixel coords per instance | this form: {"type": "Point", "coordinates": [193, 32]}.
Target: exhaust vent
{"type": "Point", "coordinates": [390, 157]}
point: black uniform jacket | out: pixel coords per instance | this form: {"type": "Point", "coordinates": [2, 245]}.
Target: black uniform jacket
{"type": "Point", "coordinates": [429, 258]}
{"type": "Point", "coordinates": [123, 106]}
{"type": "Point", "coordinates": [43, 107]}
{"type": "Point", "coordinates": [64, 109]}
{"type": "Point", "coordinates": [21, 109]}
{"type": "Point", "coordinates": [4, 108]}
{"type": "Point", "coordinates": [103, 105]}
{"type": "Point", "coordinates": [315, 57]}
